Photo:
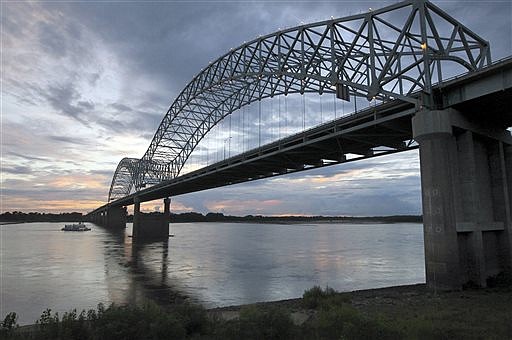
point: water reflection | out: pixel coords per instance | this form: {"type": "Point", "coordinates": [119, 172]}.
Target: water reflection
{"type": "Point", "coordinates": [137, 272]}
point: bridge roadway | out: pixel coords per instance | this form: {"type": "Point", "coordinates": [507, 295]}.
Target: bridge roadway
{"type": "Point", "coordinates": [388, 125]}
{"type": "Point", "coordinates": [380, 130]}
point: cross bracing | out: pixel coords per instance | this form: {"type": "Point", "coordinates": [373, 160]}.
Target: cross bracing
{"type": "Point", "coordinates": [122, 183]}
{"type": "Point", "coordinates": [386, 54]}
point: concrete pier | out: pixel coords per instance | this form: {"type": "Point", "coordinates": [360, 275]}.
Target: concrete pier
{"type": "Point", "coordinates": [136, 218]}
{"type": "Point", "coordinates": [466, 205]}
{"type": "Point", "coordinates": [150, 227]}
{"type": "Point", "coordinates": [110, 217]}
{"type": "Point", "coordinates": [116, 217]}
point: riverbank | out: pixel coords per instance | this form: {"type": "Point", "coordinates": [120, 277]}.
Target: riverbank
{"type": "Point", "coordinates": [403, 312]}
{"type": "Point", "coordinates": [410, 312]}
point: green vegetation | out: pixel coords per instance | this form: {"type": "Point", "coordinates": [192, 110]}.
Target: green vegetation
{"type": "Point", "coordinates": [418, 313]}
{"type": "Point", "coordinates": [9, 325]}
{"type": "Point", "coordinates": [409, 312]}
{"type": "Point", "coordinates": [256, 322]}
{"type": "Point", "coordinates": [316, 297]}
{"type": "Point", "coordinates": [117, 322]}
{"type": "Point", "coordinates": [336, 318]}
{"type": "Point", "coordinates": [219, 217]}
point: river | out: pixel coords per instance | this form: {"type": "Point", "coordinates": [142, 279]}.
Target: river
{"type": "Point", "coordinates": [215, 264]}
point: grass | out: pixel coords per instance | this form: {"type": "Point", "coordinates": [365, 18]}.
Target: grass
{"type": "Point", "coordinates": [409, 312]}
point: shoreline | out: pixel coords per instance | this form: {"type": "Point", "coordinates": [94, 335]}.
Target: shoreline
{"type": "Point", "coordinates": [362, 293]}
{"type": "Point", "coordinates": [400, 312]}
{"type": "Point", "coordinates": [296, 303]}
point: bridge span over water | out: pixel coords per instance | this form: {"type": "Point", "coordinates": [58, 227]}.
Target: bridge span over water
{"type": "Point", "coordinates": [460, 125]}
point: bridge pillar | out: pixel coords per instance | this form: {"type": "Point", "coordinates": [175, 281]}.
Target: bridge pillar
{"type": "Point", "coordinates": [103, 220]}
{"type": "Point", "coordinates": [116, 217]}
{"type": "Point", "coordinates": [166, 217]}
{"type": "Point", "coordinates": [167, 213]}
{"type": "Point", "coordinates": [507, 240]}
{"type": "Point", "coordinates": [136, 218]}
{"type": "Point", "coordinates": [466, 206]}
{"type": "Point", "coordinates": [151, 227]}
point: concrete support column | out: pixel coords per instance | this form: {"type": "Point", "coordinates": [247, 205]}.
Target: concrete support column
{"type": "Point", "coordinates": [167, 207]}
{"type": "Point", "coordinates": [150, 227]}
{"type": "Point", "coordinates": [507, 192]}
{"type": "Point", "coordinates": [466, 198]}
{"type": "Point", "coordinates": [466, 201]}
{"type": "Point", "coordinates": [438, 155]}
{"type": "Point", "coordinates": [136, 218]}
{"type": "Point", "coordinates": [167, 214]}
{"type": "Point", "coordinates": [104, 218]}
{"type": "Point", "coordinates": [116, 217]}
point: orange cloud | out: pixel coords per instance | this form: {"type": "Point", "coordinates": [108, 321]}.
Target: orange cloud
{"type": "Point", "coordinates": [55, 206]}
{"type": "Point", "coordinates": [238, 206]}
{"type": "Point", "coordinates": [157, 205]}
{"type": "Point", "coordinates": [79, 182]}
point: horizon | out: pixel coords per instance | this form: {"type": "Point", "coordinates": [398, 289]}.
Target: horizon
{"type": "Point", "coordinates": [215, 213]}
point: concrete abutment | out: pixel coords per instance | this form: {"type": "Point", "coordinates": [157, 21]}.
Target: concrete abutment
{"type": "Point", "coordinates": [466, 186]}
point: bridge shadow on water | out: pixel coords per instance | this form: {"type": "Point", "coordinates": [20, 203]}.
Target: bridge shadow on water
{"type": "Point", "coordinates": [137, 273]}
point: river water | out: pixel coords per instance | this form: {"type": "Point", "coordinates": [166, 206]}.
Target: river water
{"type": "Point", "coordinates": [216, 264]}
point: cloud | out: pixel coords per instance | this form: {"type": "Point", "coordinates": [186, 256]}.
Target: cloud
{"type": "Point", "coordinates": [157, 205]}
{"type": "Point", "coordinates": [17, 169]}
{"type": "Point", "coordinates": [29, 204]}
{"type": "Point", "coordinates": [52, 40]}
{"type": "Point", "coordinates": [70, 140]}
{"type": "Point", "coordinates": [53, 190]}
{"type": "Point", "coordinates": [63, 98]}
{"type": "Point", "coordinates": [239, 207]}
{"type": "Point", "coordinates": [120, 107]}
{"type": "Point", "coordinates": [30, 158]}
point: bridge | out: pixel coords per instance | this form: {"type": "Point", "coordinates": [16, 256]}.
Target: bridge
{"type": "Point", "coordinates": [431, 85]}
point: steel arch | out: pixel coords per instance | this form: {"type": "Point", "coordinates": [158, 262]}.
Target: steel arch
{"type": "Point", "coordinates": [386, 53]}
{"type": "Point", "coordinates": [123, 180]}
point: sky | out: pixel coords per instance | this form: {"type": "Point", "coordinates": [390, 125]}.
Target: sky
{"type": "Point", "coordinates": [86, 83]}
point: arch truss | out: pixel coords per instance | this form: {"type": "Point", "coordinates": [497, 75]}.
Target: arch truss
{"type": "Point", "coordinates": [386, 54]}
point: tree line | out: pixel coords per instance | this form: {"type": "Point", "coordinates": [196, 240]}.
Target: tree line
{"type": "Point", "coordinates": [18, 216]}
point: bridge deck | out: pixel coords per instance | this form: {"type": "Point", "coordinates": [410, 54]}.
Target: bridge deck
{"type": "Point", "coordinates": [386, 127]}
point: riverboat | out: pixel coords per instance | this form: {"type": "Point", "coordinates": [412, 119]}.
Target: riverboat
{"type": "Point", "coordinates": [80, 226]}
